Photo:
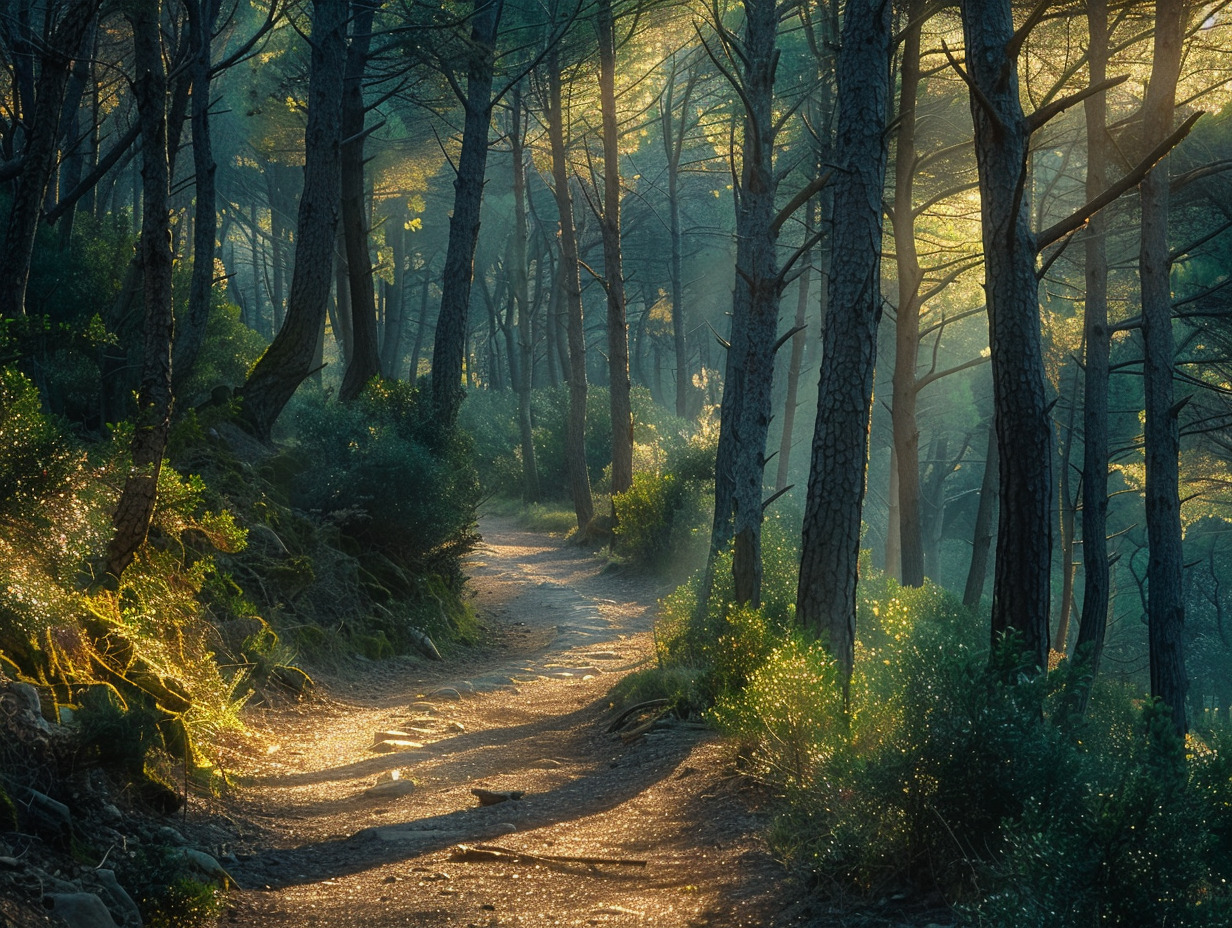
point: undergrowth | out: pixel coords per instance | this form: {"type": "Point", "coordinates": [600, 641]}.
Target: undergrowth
{"type": "Point", "coordinates": [947, 775]}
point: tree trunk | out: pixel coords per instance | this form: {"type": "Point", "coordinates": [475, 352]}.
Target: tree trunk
{"type": "Point", "coordinates": [907, 320]}
{"type": "Point", "coordinates": [673, 143]}
{"type": "Point", "coordinates": [744, 415]}
{"type": "Point", "coordinates": [395, 298]}
{"type": "Point", "coordinates": [570, 292]}
{"type": "Point", "coordinates": [530, 472]}
{"type": "Point", "coordinates": [365, 360]}
{"type": "Point", "coordinates": [1068, 504]}
{"type": "Point", "coordinates": [798, 342]}
{"type": "Point", "coordinates": [290, 358]}
{"type": "Point", "coordinates": [449, 349]}
{"type": "Point", "coordinates": [825, 600]}
{"type": "Point", "coordinates": [1095, 564]}
{"type": "Point", "coordinates": [201, 17]}
{"type": "Point", "coordinates": [1165, 596]}
{"type": "Point", "coordinates": [64, 44]}
{"type": "Point", "coordinates": [985, 519]}
{"type": "Point", "coordinates": [136, 505]}
{"type": "Point", "coordinates": [1024, 432]}
{"type": "Point", "coordinates": [613, 268]}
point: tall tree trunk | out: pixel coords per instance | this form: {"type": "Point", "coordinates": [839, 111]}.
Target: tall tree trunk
{"type": "Point", "coordinates": [744, 415]}
{"type": "Point", "coordinates": [530, 471]}
{"type": "Point", "coordinates": [395, 298]}
{"type": "Point", "coordinates": [1095, 564]}
{"type": "Point", "coordinates": [798, 342]}
{"type": "Point", "coordinates": [569, 292]}
{"type": "Point", "coordinates": [1165, 595]}
{"type": "Point", "coordinates": [365, 360]}
{"type": "Point", "coordinates": [985, 517]}
{"type": "Point", "coordinates": [613, 267]}
{"type": "Point", "coordinates": [673, 142]}
{"type": "Point", "coordinates": [201, 17]}
{"type": "Point", "coordinates": [43, 127]}
{"type": "Point", "coordinates": [907, 317]}
{"type": "Point", "coordinates": [826, 597]}
{"type": "Point", "coordinates": [340, 318]}
{"type": "Point", "coordinates": [289, 358]}
{"type": "Point", "coordinates": [136, 505]}
{"type": "Point", "coordinates": [421, 328]}
{"type": "Point", "coordinates": [1068, 505]}
{"type": "Point", "coordinates": [1024, 432]}
{"type": "Point", "coordinates": [449, 349]}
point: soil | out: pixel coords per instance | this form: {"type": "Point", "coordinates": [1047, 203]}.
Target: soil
{"type": "Point", "coordinates": [319, 834]}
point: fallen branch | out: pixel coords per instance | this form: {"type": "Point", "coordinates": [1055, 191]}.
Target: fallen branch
{"type": "Point", "coordinates": [634, 710]}
{"type": "Point", "coordinates": [493, 854]}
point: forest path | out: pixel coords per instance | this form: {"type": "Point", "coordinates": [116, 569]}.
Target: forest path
{"type": "Point", "coordinates": [326, 838]}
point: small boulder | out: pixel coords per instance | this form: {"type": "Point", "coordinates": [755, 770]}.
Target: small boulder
{"type": "Point", "coordinates": [80, 910]}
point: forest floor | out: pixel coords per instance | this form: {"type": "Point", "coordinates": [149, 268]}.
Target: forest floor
{"type": "Point", "coordinates": [322, 831]}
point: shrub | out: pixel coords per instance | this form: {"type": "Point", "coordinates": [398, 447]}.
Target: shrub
{"type": "Point", "coordinates": [378, 470]}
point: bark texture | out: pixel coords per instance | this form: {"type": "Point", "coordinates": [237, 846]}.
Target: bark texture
{"type": "Point", "coordinates": [1024, 433]}
{"type": "Point", "coordinates": [135, 508]}
{"type": "Point", "coordinates": [744, 415]}
{"type": "Point", "coordinates": [1093, 624]}
{"type": "Point", "coordinates": [1165, 592]}
{"type": "Point", "coordinates": [826, 597]}
{"type": "Point", "coordinates": [613, 266]}
{"type": "Point", "coordinates": [906, 432]}
{"type": "Point", "coordinates": [364, 362]}
{"type": "Point", "coordinates": [289, 359]}
{"type": "Point", "coordinates": [449, 349]}
{"type": "Point", "coordinates": [569, 291]}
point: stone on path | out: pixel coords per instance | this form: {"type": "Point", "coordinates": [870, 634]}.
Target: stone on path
{"type": "Point", "coordinates": [80, 910]}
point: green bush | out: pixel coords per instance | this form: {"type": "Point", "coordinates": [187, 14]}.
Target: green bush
{"type": "Point", "coordinates": [378, 469]}
{"type": "Point", "coordinates": [660, 521]}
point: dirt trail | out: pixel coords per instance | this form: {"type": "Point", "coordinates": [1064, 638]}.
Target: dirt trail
{"type": "Point", "coordinates": [326, 838]}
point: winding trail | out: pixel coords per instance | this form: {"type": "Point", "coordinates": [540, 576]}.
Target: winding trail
{"type": "Point", "coordinates": [321, 835]}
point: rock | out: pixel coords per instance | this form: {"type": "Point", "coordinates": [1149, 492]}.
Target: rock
{"type": "Point", "coordinates": [422, 708]}
{"type": "Point", "coordinates": [9, 863]}
{"type": "Point", "coordinates": [391, 735]}
{"type": "Point", "coordinates": [455, 726]}
{"type": "Point", "coordinates": [547, 763]}
{"type": "Point", "coordinates": [390, 789]}
{"type": "Point", "coordinates": [396, 744]}
{"type": "Point", "coordinates": [504, 828]}
{"type": "Point", "coordinates": [206, 865]}
{"type": "Point", "coordinates": [121, 905]}
{"type": "Point", "coordinates": [169, 835]}
{"type": "Point", "coordinates": [80, 910]}
{"type": "Point", "coordinates": [111, 813]}
{"type": "Point", "coordinates": [445, 692]}
{"type": "Point", "coordinates": [46, 815]}
{"type": "Point", "coordinates": [490, 797]}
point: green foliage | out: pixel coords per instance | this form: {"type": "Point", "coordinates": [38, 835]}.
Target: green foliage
{"type": "Point", "coordinates": [8, 811]}
{"type": "Point", "coordinates": [659, 521]}
{"type": "Point", "coordinates": [36, 461]}
{"type": "Point", "coordinates": [169, 892]}
{"type": "Point", "coordinates": [946, 774]}
{"type": "Point", "coordinates": [378, 470]}
{"type": "Point", "coordinates": [229, 350]}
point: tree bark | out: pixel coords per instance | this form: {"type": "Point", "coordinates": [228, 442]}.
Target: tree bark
{"type": "Point", "coordinates": [569, 290]}
{"type": "Point", "coordinates": [201, 16]}
{"type": "Point", "coordinates": [364, 362]}
{"type": "Point", "coordinates": [674, 135]}
{"type": "Point", "coordinates": [521, 296]}
{"type": "Point", "coordinates": [985, 519]}
{"type": "Point", "coordinates": [449, 349]}
{"type": "Point", "coordinates": [1093, 624]}
{"type": "Point", "coordinates": [1165, 594]}
{"type": "Point", "coordinates": [289, 359]}
{"type": "Point", "coordinates": [64, 44]}
{"type": "Point", "coordinates": [613, 267]}
{"type": "Point", "coordinates": [744, 414]}
{"type": "Point", "coordinates": [825, 600]}
{"type": "Point", "coordinates": [1024, 432]}
{"type": "Point", "coordinates": [905, 388]}
{"type": "Point", "coordinates": [135, 508]}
